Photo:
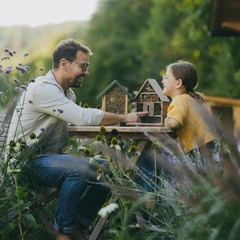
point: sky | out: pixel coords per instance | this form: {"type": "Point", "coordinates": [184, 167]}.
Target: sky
{"type": "Point", "coordinates": [40, 12]}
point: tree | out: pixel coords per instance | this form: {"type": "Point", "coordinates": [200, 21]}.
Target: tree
{"type": "Point", "coordinates": [114, 36]}
{"type": "Point", "coordinates": [133, 40]}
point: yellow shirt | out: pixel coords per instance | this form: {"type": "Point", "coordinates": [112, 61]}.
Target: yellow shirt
{"type": "Point", "coordinates": [194, 131]}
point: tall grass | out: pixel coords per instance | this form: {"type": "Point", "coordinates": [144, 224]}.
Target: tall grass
{"type": "Point", "coordinates": [187, 201]}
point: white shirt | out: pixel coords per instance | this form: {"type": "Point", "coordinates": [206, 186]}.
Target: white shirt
{"type": "Point", "coordinates": [44, 105]}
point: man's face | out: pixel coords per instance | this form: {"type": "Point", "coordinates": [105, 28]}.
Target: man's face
{"type": "Point", "coordinates": [78, 70]}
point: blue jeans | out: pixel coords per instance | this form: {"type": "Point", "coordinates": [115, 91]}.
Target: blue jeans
{"type": "Point", "coordinates": [73, 175]}
{"type": "Point", "coordinates": [146, 175]}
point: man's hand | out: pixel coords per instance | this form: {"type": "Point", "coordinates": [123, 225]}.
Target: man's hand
{"type": "Point", "coordinates": [114, 118]}
{"type": "Point", "coordinates": [135, 116]}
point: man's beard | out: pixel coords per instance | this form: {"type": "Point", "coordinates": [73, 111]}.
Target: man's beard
{"type": "Point", "coordinates": [78, 81]}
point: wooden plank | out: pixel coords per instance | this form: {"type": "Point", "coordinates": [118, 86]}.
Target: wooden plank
{"type": "Point", "coordinates": [142, 144]}
{"type": "Point", "coordinates": [136, 127]}
{"type": "Point", "coordinates": [100, 224]}
{"type": "Point", "coordinates": [145, 124]}
{"type": "Point", "coordinates": [126, 132]}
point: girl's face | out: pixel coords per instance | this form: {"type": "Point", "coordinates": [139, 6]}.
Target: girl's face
{"type": "Point", "coordinates": [170, 84]}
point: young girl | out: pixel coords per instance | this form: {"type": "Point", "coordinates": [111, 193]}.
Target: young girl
{"type": "Point", "coordinates": [185, 113]}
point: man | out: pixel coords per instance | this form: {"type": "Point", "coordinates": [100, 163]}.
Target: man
{"type": "Point", "coordinates": [48, 105]}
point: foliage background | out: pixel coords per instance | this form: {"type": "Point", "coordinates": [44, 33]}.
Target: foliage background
{"type": "Point", "coordinates": [133, 40]}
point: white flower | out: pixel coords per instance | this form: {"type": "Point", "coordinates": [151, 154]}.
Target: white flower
{"type": "Point", "coordinates": [31, 142]}
{"type": "Point", "coordinates": [117, 146]}
{"type": "Point", "coordinates": [93, 159]}
{"type": "Point", "coordinates": [17, 147]}
{"type": "Point", "coordinates": [108, 209]}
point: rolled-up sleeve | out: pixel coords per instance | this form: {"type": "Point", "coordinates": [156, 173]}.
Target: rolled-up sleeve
{"type": "Point", "coordinates": [52, 100]}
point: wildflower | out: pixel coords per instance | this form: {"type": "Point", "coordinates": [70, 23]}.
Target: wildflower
{"type": "Point", "coordinates": [1, 93]}
{"type": "Point", "coordinates": [87, 152]}
{"type": "Point", "coordinates": [23, 144]}
{"type": "Point", "coordinates": [32, 135]}
{"type": "Point", "coordinates": [108, 209]}
{"type": "Point", "coordinates": [17, 147]}
{"type": "Point", "coordinates": [16, 80]}
{"type": "Point", "coordinates": [154, 146]}
{"type": "Point", "coordinates": [133, 149]}
{"type": "Point", "coordinates": [115, 143]}
{"type": "Point", "coordinates": [98, 138]}
{"type": "Point", "coordinates": [12, 143]}
{"type": "Point", "coordinates": [23, 87]}
{"type": "Point", "coordinates": [102, 129]}
{"type": "Point", "coordinates": [43, 129]}
{"type": "Point", "coordinates": [114, 133]}
{"type": "Point", "coordinates": [10, 53]}
{"type": "Point", "coordinates": [100, 172]}
{"type": "Point", "coordinates": [93, 158]}
{"type": "Point", "coordinates": [8, 69]}
{"type": "Point", "coordinates": [18, 89]}
{"type": "Point", "coordinates": [85, 105]}
{"type": "Point", "coordinates": [33, 139]}
{"type": "Point", "coordinates": [4, 58]}
{"type": "Point", "coordinates": [25, 54]}
{"type": "Point", "coordinates": [22, 69]}
{"type": "Point", "coordinates": [31, 142]}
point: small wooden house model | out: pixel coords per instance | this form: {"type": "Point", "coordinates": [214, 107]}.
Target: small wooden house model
{"type": "Point", "coordinates": [150, 98]}
{"type": "Point", "coordinates": [115, 98]}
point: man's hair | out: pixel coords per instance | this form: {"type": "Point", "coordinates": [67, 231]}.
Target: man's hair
{"type": "Point", "coordinates": [68, 49]}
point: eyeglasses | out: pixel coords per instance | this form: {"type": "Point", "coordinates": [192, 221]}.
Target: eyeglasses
{"type": "Point", "coordinates": [165, 77]}
{"type": "Point", "coordinates": [82, 65]}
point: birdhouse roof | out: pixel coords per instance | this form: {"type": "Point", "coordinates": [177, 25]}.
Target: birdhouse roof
{"type": "Point", "coordinates": [115, 82]}
{"type": "Point", "coordinates": [156, 88]}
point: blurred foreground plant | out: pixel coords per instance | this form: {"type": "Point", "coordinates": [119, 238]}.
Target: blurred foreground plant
{"type": "Point", "coordinates": [17, 178]}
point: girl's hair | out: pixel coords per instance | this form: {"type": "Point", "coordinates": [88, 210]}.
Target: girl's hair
{"type": "Point", "coordinates": [188, 73]}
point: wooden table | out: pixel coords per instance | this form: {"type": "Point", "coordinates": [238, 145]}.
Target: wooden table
{"type": "Point", "coordinates": [137, 131]}
{"type": "Point", "coordinates": [126, 132]}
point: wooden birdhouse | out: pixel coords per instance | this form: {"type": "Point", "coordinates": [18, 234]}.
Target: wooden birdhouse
{"type": "Point", "coordinates": [150, 98]}
{"type": "Point", "coordinates": [115, 98]}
